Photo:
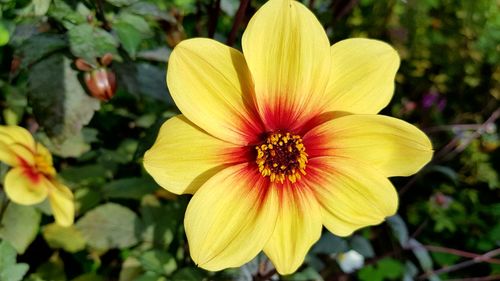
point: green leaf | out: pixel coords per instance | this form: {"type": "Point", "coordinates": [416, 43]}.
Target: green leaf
{"type": "Point", "coordinates": [109, 226]}
{"type": "Point", "coordinates": [187, 274]}
{"type": "Point", "coordinates": [121, 3]}
{"type": "Point", "coordinates": [330, 244]}
{"type": "Point", "coordinates": [399, 229]}
{"type": "Point", "coordinates": [129, 188]}
{"type": "Point", "coordinates": [158, 261]}
{"type": "Point", "coordinates": [445, 171]}
{"type": "Point", "coordinates": [159, 221]}
{"type": "Point", "coordinates": [52, 270]}
{"type": "Point", "coordinates": [305, 275]}
{"type": "Point", "coordinates": [150, 276]}
{"type": "Point", "coordinates": [9, 269]}
{"type": "Point", "coordinates": [129, 36]}
{"type": "Point", "coordinates": [131, 269]}
{"type": "Point", "coordinates": [146, 9]}
{"type": "Point", "coordinates": [65, 14]}
{"type": "Point", "coordinates": [39, 46]}
{"type": "Point", "coordinates": [41, 7]}
{"type": "Point", "coordinates": [86, 199]}
{"type": "Point", "coordinates": [73, 146]}
{"type": "Point", "coordinates": [385, 269]}
{"type": "Point", "coordinates": [59, 102]}
{"type": "Point", "coordinates": [391, 268]}
{"type": "Point", "coordinates": [4, 34]}
{"type": "Point", "coordinates": [94, 174]}
{"type": "Point", "coordinates": [421, 253]}
{"type": "Point", "coordinates": [361, 245]}
{"type": "Point", "coordinates": [131, 30]}
{"type": "Point", "coordinates": [89, 277]}
{"type": "Point", "coordinates": [20, 225]}
{"type": "Point", "coordinates": [89, 42]}
{"type": "Point", "coordinates": [67, 238]}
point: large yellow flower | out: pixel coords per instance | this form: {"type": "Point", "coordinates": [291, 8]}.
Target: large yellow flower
{"type": "Point", "coordinates": [32, 177]}
{"type": "Point", "coordinates": [281, 139]}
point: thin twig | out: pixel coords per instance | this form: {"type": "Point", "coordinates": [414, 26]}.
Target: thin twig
{"type": "Point", "coordinates": [214, 18]}
{"type": "Point", "coordinates": [483, 278]}
{"type": "Point", "coordinates": [266, 276]}
{"type": "Point", "coordinates": [458, 144]}
{"type": "Point", "coordinates": [446, 269]}
{"type": "Point", "coordinates": [311, 4]}
{"type": "Point", "coordinates": [459, 253]}
{"type": "Point", "coordinates": [238, 19]}
{"type": "Point", "coordinates": [460, 127]}
{"type": "Point", "coordinates": [455, 146]}
{"type": "Point", "coordinates": [101, 15]}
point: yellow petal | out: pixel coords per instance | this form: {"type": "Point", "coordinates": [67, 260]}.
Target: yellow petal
{"type": "Point", "coordinates": [211, 85]}
{"type": "Point", "coordinates": [24, 155]}
{"type": "Point", "coordinates": [230, 218]}
{"type": "Point", "coordinates": [184, 157]}
{"type": "Point", "coordinates": [7, 156]}
{"type": "Point", "coordinates": [298, 227]}
{"type": "Point", "coordinates": [16, 134]}
{"type": "Point", "coordinates": [26, 187]}
{"type": "Point", "coordinates": [362, 76]}
{"type": "Point", "coordinates": [391, 145]}
{"type": "Point", "coordinates": [288, 54]}
{"type": "Point", "coordinates": [44, 153]}
{"type": "Point", "coordinates": [352, 194]}
{"type": "Point", "coordinates": [62, 204]}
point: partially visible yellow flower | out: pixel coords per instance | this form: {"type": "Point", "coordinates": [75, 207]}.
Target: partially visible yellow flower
{"type": "Point", "coordinates": [279, 140]}
{"type": "Point", "coordinates": [32, 177]}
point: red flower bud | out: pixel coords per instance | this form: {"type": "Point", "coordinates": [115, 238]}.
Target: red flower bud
{"type": "Point", "coordinates": [101, 83]}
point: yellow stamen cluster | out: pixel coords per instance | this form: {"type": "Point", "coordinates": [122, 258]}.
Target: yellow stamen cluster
{"type": "Point", "coordinates": [44, 166]}
{"type": "Point", "coordinates": [281, 157]}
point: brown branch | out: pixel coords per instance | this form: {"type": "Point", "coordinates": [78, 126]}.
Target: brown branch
{"type": "Point", "coordinates": [238, 19]}
{"type": "Point", "coordinates": [483, 278]}
{"type": "Point", "coordinates": [481, 258]}
{"type": "Point", "coordinates": [455, 146]}
{"type": "Point", "coordinates": [214, 18]}
{"type": "Point", "coordinates": [100, 14]}
{"type": "Point", "coordinates": [459, 253]}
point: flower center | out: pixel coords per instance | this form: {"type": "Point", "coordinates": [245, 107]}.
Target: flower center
{"type": "Point", "coordinates": [44, 166]}
{"type": "Point", "coordinates": [282, 156]}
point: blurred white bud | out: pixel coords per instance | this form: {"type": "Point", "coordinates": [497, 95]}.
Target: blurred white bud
{"type": "Point", "coordinates": [350, 261]}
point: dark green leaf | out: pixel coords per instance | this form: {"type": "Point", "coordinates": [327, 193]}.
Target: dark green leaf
{"type": "Point", "coordinates": [421, 253]}
{"type": "Point", "coordinates": [121, 3]}
{"type": "Point", "coordinates": [187, 274]}
{"type": "Point", "coordinates": [39, 46]}
{"type": "Point", "coordinates": [362, 246]}
{"type": "Point", "coordinates": [59, 102]}
{"type": "Point", "coordinates": [129, 188]}
{"type": "Point", "coordinates": [330, 244]}
{"type": "Point", "coordinates": [158, 261]}
{"type": "Point", "coordinates": [109, 226]}
{"type": "Point", "coordinates": [399, 229]}
{"type": "Point", "coordinates": [89, 42]}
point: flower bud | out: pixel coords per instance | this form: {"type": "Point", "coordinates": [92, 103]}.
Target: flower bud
{"type": "Point", "coordinates": [101, 83]}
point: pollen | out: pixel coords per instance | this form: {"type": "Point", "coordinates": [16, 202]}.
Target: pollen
{"type": "Point", "coordinates": [282, 157]}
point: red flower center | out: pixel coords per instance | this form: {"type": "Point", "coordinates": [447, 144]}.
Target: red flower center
{"type": "Point", "coordinates": [282, 157]}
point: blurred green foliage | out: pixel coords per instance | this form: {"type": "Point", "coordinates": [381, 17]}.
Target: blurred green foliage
{"type": "Point", "coordinates": [129, 229]}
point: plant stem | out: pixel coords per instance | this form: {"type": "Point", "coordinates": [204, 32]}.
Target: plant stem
{"type": "Point", "coordinates": [214, 18]}
{"type": "Point", "coordinates": [238, 19]}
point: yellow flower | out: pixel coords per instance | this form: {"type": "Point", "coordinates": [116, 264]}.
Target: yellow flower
{"type": "Point", "coordinates": [32, 177]}
{"type": "Point", "coordinates": [279, 140]}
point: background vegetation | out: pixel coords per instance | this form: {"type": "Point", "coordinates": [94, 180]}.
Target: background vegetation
{"type": "Point", "coordinates": [127, 228]}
